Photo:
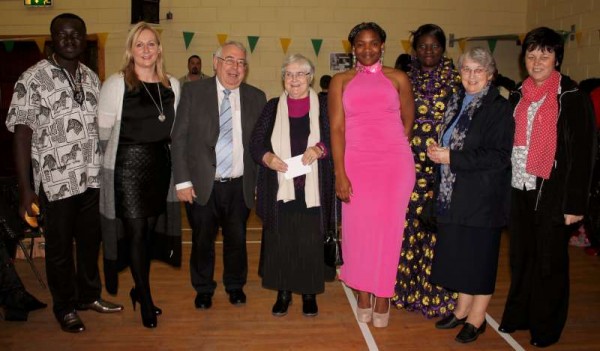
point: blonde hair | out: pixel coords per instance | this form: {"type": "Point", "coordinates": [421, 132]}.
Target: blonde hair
{"type": "Point", "coordinates": [128, 70]}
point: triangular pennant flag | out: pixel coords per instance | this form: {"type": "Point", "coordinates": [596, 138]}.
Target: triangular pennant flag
{"type": "Point", "coordinates": [159, 30]}
{"type": "Point", "coordinates": [521, 38]}
{"type": "Point", "coordinates": [347, 46]}
{"type": "Point", "coordinates": [252, 40]}
{"type": "Point", "coordinates": [578, 36]}
{"type": "Point", "coordinates": [102, 39]}
{"type": "Point", "coordinates": [9, 45]}
{"type": "Point", "coordinates": [285, 43]}
{"type": "Point", "coordinates": [187, 38]}
{"type": "Point", "coordinates": [222, 38]}
{"type": "Point", "coordinates": [317, 45]}
{"type": "Point", "coordinates": [41, 42]}
{"type": "Point", "coordinates": [492, 44]}
{"type": "Point", "coordinates": [566, 36]}
{"type": "Point", "coordinates": [461, 44]}
{"type": "Point", "coordinates": [406, 46]}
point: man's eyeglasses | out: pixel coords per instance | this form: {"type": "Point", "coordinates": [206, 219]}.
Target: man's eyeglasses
{"type": "Point", "coordinates": [296, 75]}
{"type": "Point", "coordinates": [230, 61]}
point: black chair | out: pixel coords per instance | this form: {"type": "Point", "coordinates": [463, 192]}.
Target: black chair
{"type": "Point", "coordinates": [14, 227]}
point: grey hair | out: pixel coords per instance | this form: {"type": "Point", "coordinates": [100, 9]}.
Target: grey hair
{"type": "Point", "coordinates": [480, 55]}
{"type": "Point", "coordinates": [230, 42]}
{"type": "Point", "coordinates": [299, 59]}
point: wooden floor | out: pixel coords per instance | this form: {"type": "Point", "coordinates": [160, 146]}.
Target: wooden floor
{"type": "Point", "coordinates": [251, 327]}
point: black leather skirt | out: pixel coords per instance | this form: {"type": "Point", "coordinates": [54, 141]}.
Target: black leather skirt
{"type": "Point", "coordinates": [142, 175]}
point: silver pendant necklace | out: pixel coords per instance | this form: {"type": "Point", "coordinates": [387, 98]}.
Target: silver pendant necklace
{"type": "Point", "coordinates": [161, 116]}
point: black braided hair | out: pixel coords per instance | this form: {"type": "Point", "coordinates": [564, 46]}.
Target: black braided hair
{"type": "Point", "coordinates": [366, 26]}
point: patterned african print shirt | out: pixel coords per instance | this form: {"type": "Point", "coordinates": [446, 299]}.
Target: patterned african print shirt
{"type": "Point", "coordinates": [65, 153]}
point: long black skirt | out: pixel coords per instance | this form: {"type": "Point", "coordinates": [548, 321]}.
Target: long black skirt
{"type": "Point", "coordinates": [293, 255]}
{"type": "Point", "coordinates": [142, 175]}
{"type": "Point", "coordinates": [466, 258]}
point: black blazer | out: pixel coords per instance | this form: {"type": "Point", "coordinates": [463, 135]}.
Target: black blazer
{"type": "Point", "coordinates": [480, 197]}
{"type": "Point", "coordinates": [196, 131]}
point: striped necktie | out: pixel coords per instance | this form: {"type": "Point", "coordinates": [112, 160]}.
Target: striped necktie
{"type": "Point", "coordinates": [224, 147]}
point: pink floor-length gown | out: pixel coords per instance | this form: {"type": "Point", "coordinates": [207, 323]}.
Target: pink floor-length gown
{"type": "Point", "coordinates": [380, 166]}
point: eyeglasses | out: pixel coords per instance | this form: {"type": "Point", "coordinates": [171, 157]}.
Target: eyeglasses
{"type": "Point", "coordinates": [230, 61]}
{"type": "Point", "coordinates": [295, 75]}
{"type": "Point", "coordinates": [432, 47]}
{"type": "Point", "coordinates": [466, 71]}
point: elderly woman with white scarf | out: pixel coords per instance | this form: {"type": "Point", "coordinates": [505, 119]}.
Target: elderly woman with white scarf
{"type": "Point", "coordinates": [295, 212]}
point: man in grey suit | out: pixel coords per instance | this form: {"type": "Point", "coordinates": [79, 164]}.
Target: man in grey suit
{"type": "Point", "coordinates": [214, 173]}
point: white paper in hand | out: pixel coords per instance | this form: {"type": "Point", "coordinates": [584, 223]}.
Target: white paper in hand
{"type": "Point", "coordinates": [295, 167]}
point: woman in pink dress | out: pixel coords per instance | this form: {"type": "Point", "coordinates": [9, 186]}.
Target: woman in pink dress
{"type": "Point", "coordinates": [371, 111]}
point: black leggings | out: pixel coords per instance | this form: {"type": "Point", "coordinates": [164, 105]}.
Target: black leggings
{"type": "Point", "coordinates": [138, 231]}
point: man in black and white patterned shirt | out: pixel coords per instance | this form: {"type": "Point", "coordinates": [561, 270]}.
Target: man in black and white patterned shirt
{"type": "Point", "coordinates": [53, 114]}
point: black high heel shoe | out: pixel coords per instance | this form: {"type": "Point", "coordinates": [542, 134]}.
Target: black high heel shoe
{"type": "Point", "coordinates": [134, 299]}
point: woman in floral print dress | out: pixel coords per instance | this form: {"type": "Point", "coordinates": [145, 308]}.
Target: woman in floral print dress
{"type": "Point", "coordinates": [434, 80]}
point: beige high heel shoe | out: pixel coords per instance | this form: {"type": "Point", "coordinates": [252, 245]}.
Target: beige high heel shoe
{"type": "Point", "coordinates": [364, 315]}
{"type": "Point", "coordinates": [381, 320]}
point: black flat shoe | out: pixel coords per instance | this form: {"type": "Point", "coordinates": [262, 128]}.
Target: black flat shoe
{"type": "Point", "coordinates": [309, 305]}
{"type": "Point", "coordinates": [203, 301]}
{"type": "Point", "coordinates": [470, 333]}
{"type": "Point", "coordinates": [449, 322]}
{"type": "Point", "coordinates": [100, 306]}
{"type": "Point", "coordinates": [542, 343]}
{"type": "Point", "coordinates": [237, 297]}
{"type": "Point", "coordinates": [506, 329]}
{"type": "Point", "coordinates": [284, 300]}
{"type": "Point", "coordinates": [71, 323]}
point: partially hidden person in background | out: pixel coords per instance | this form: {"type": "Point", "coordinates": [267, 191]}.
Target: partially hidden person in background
{"type": "Point", "coordinates": [371, 111]}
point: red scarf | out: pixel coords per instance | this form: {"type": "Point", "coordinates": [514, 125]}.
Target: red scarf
{"type": "Point", "coordinates": [542, 145]}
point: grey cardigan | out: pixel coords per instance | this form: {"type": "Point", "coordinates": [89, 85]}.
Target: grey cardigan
{"type": "Point", "coordinates": [167, 239]}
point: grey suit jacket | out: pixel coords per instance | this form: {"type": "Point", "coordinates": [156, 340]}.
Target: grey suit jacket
{"type": "Point", "coordinates": [196, 131]}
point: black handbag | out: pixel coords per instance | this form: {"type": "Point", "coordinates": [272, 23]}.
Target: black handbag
{"type": "Point", "coordinates": [428, 216]}
{"type": "Point", "coordinates": [333, 246]}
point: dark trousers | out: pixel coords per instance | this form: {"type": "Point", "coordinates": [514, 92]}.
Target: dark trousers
{"type": "Point", "coordinates": [538, 298]}
{"type": "Point", "coordinates": [72, 279]}
{"type": "Point", "coordinates": [225, 208]}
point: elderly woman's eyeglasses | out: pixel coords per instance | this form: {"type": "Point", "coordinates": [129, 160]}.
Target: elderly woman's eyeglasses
{"type": "Point", "coordinates": [230, 61]}
{"type": "Point", "coordinates": [466, 71]}
{"type": "Point", "coordinates": [295, 75]}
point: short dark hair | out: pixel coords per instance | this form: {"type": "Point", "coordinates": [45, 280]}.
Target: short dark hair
{"type": "Point", "coordinates": [366, 26]}
{"type": "Point", "coordinates": [67, 16]}
{"type": "Point", "coordinates": [545, 39]}
{"type": "Point", "coordinates": [403, 62]}
{"type": "Point", "coordinates": [429, 29]}
{"type": "Point", "coordinates": [324, 81]}
{"type": "Point", "coordinates": [194, 56]}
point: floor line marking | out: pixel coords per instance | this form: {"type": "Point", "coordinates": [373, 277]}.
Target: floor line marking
{"type": "Point", "coordinates": [364, 327]}
{"type": "Point", "coordinates": [507, 337]}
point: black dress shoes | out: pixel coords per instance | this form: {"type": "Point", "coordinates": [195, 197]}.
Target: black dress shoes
{"type": "Point", "coordinates": [470, 333]}
{"type": "Point", "coordinates": [203, 301]}
{"type": "Point", "coordinates": [284, 300]}
{"type": "Point", "coordinates": [309, 305]}
{"type": "Point", "coordinates": [100, 306]}
{"type": "Point", "coordinates": [71, 323]}
{"type": "Point", "coordinates": [450, 322]}
{"type": "Point", "coordinates": [237, 297]}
